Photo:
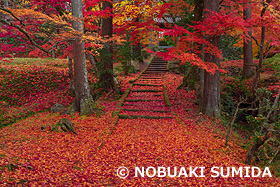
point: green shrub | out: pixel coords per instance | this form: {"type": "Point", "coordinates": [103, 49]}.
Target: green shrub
{"type": "Point", "coordinates": [273, 64]}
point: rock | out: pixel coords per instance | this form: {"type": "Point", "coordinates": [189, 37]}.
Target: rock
{"type": "Point", "coordinates": [12, 167]}
{"type": "Point", "coordinates": [66, 125]}
{"type": "Point", "coordinates": [27, 166]}
{"type": "Point", "coordinates": [135, 64]}
{"type": "Point", "coordinates": [70, 110]}
{"type": "Point", "coordinates": [57, 108]}
{"type": "Point", "coordinates": [63, 127]}
{"type": "Point", "coordinates": [30, 167]}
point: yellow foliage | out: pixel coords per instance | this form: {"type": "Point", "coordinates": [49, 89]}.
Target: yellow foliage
{"type": "Point", "coordinates": [126, 11]}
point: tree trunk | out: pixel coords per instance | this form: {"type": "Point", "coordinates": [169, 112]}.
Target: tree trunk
{"type": "Point", "coordinates": [259, 142]}
{"type": "Point", "coordinates": [106, 79]}
{"type": "Point", "coordinates": [210, 103]}
{"type": "Point", "coordinates": [71, 76]}
{"type": "Point", "coordinates": [248, 66]}
{"type": "Point", "coordinates": [261, 55]}
{"type": "Point", "coordinates": [92, 61]}
{"type": "Point", "coordinates": [198, 10]}
{"type": "Point", "coordinates": [137, 48]}
{"type": "Point", "coordinates": [83, 100]}
{"type": "Point", "coordinates": [193, 76]}
{"type": "Point", "coordinates": [202, 73]}
{"type": "Point", "coordinates": [137, 51]}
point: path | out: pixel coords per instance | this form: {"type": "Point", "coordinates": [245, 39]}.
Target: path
{"type": "Point", "coordinates": [146, 98]}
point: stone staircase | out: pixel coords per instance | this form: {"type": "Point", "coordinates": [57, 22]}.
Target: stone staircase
{"type": "Point", "coordinates": [146, 99]}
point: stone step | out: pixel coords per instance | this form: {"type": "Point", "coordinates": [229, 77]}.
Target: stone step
{"type": "Point", "coordinates": [158, 75]}
{"type": "Point", "coordinates": [146, 117]}
{"type": "Point", "coordinates": [149, 75]}
{"type": "Point", "coordinates": [157, 95]}
{"type": "Point", "coordinates": [142, 100]}
{"type": "Point", "coordinates": [147, 91]}
{"type": "Point", "coordinates": [139, 110]}
{"type": "Point", "coordinates": [155, 71]}
{"type": "Point", "coordinates": [128, 104]}
{"type": "Point", "coordinates": [158, 63]}
{"type": "Point", "coordinates": [156, 68]}
{"type": "Point", "coordinates": [139, 84]}
{"type": "Point", "coordinates": [146, 77]}
{"type": "Point", "coordinates": [158, 59]}
{"type": "Point", "coordinates": [144, 95]}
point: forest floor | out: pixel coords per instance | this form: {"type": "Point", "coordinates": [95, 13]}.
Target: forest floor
{"type": "Point", "coordinates": [34, 156]}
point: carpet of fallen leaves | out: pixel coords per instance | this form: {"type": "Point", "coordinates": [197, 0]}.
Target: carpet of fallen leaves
{"type": "Point", "coordinates": [104, 143]}
{"type": "Point", "coordinates": [268, 76]}
{"type": "Point", "coordinates": [28, 89]}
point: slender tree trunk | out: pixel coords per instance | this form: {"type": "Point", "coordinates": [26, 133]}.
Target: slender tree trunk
{"type": "Point", "coordinates": [83, 100]}
{"type": "Point", "coordinates": [248, 66]}
{"type": "Point", "coordinates": [106, 79]}
{"type": "Point", "coordinates": [193, 76]}
{"type": "Point", "coordinates": [210, 103]}
{"type": "Point", "coordinates": [198, 10]}
{"type": "Point", "coordinates": [137, 47]}
{"type": "Point", "coordinates": [137, 51]}
{"type": "Point", "coordinates": [261, 56]}
{"type": "Point", "coordinates": [92, 61]}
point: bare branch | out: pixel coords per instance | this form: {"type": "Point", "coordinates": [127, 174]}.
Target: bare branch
{"type": "Point", "coordinates": [268, 52]}
{"type": "Point", "coordinates": [57, 43]}
{"type": "Point", "coordinates": [233, 119]}
{"type": "Point", "coordinates": [269, 162]}
{"type": "Point", "coordinates": [167, 21]}
{"type": "Point", "coordinates": [267, 44]}
{"type": "Point", "coordinates": [92, 60]}
{"type": "Point", "coordinates": [256, 41]}
{"type": "Point", "coordinates": [275, 103]}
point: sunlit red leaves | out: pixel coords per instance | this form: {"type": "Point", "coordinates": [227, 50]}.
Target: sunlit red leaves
{"type": "Point", "coordinates": [221, 23]}
{"type": "Point", "coordinates": [52, 6]}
